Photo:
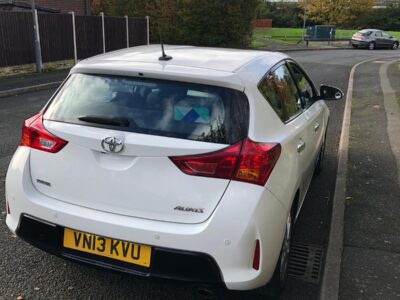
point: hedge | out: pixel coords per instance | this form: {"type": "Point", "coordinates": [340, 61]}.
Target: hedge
{"type": "Point", "coordinates": [219, 23]}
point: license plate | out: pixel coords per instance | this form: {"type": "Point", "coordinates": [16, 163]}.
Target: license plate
{"type": "Point", "coordinates": [107, 247]}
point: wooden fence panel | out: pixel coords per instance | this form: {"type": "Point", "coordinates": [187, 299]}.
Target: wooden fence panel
{"type": "Point", "coordinates": [115, 32]}
{"type": "Point", "coordinates": [137, 32]}
{"type": "Point", "coordinates": [16, 39]}
{"type": "Point", "coordinates": [89, 36]}
{"type": "Point", "coordinates": [56, 37]}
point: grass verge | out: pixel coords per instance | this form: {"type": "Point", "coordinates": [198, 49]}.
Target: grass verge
{"type": "Point", "coordinates": [31, 68]}
{"type": "Point", "coordinates": [293, 35]}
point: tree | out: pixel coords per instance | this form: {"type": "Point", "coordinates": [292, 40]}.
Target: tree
{"type": "Point", "coordinates": [165, 17]}
{"type": "Point", "coordinates": [283, 14]}
{"type": "Point", "coordinates": [336, 12]}
{"type": "Point", "coordinates": [220, 23]}
{"type": "Point", "coordinates": [382, 18]}
{"type": "Point", "coordinates": [98, 6]}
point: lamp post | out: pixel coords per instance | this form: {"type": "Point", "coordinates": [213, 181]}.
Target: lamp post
{"type": "Point", "coordinates": [38, 55]}
{"type": "Point", "coordinates": [304, 20]}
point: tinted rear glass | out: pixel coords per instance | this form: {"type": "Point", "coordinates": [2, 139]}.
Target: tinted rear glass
{"type": "Point", "coordinates": [365, 32]}
{"type": "Point", "coordinates": [156, 107]}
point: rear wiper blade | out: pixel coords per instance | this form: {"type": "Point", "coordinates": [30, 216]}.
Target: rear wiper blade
{"type": "Point", "coordinates": [114, 121]}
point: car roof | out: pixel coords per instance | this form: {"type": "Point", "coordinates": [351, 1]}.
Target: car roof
{"type": "Point", "coordinates": [218, 65]}
{"type": "Point", "coordinates": [220, 59]}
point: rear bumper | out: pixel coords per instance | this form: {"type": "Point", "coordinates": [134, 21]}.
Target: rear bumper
{"type": "Point", "coordinates": [359, 43]}
{"type": "Point", "coordinates": [166, 263]}
{"type": "Point", "coordinates": [224, 243]}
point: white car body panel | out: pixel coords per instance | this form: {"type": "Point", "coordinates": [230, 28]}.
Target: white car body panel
{"type": "Point", "coordinates": [262, 208]}
{"type": "Point", "coordinates": [92, 192]}
{"type": "Point", "coordinates": [133, 183]}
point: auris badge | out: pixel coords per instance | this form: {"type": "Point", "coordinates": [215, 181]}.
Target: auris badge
{"type": "Point", "coordinates": [112, 144]}
{"type": "Point", "coordinates": [190, 209]}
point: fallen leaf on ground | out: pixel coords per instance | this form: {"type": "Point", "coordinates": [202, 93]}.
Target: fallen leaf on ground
{"type": "Point", "coordinates": [20, 298]}
{"type": "Point", "coordinates": [36, 288]}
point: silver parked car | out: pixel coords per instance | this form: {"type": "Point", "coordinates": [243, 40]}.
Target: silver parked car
{"type": "Point", "coordinates": [374, 38]}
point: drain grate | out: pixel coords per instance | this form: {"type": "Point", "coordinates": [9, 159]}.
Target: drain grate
{"type": "Point", "coordinates": [305, 262]}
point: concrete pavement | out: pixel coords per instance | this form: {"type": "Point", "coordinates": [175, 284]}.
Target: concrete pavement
{"type": "Point", "coordinates": [371, 255]}
{"type": "Point", "coordinates": [20, 81]}
{"type": "Point", "coordinates": [20, 84]}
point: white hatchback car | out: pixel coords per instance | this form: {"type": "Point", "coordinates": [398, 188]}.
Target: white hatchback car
{"type": "Point", "coordinates": [192, 168]}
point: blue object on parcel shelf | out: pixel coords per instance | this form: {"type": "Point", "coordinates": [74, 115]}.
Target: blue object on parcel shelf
{"type": "Point", "coordinates": [192, 114]}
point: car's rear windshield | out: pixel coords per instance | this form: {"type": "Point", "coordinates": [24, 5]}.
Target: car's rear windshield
{"type": "Point", "coordinates": [365, 32]}
{"type": "Point", "coordinates": [156, 107]}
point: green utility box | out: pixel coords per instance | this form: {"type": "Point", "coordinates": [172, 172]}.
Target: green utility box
{"type": "Point", "coordinates": [322, 32]}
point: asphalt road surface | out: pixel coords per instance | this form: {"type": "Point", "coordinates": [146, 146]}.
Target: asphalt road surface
{"type": "Point", "coordinates": [33, 274]}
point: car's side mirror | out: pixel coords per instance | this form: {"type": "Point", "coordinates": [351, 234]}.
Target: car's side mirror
{"type": "Point", "coordinates": [330, 92]}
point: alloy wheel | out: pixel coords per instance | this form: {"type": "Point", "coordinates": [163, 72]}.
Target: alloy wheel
{"type": "Point", "coordinates": [371, 46]}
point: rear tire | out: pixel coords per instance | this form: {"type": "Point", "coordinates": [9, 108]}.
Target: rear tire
{"type": "Point", "coordinates": [371, 46]}
{"type": "Point", "coordinates": [395, 46]}
{"type": "Point", "coordinates": [278, 281]}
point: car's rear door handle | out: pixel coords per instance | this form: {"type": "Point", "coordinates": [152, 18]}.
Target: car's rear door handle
{"type": "Point", "coordinates": [301, 146]}
{"type": "Point", "coordinates": [316, 127]}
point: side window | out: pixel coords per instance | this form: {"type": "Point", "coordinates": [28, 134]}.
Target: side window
{"type": "Point", "coordinates": [268, 89]}
{"type": "Point", "coordinates": [304, 85]}
{"type": "Point", "coordinates": [279, 89]}
{"type": "Point", "coordinates": [378, 34]}
{"type": "Point", "coordinates": [385, 35]}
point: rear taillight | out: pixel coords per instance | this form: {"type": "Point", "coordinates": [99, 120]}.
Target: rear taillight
{"type": "Point", "coordinates": [257, 160]}
{"type": "Point", "coordinates": [35, 136]}
{"type": "Point", "coordinates": [245, 161]}
{"type": "Point", "coordinates": [219, 164]}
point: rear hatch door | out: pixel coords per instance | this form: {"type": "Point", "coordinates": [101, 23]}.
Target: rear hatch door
{"type": "Point", "coordinates": [147, 121]}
